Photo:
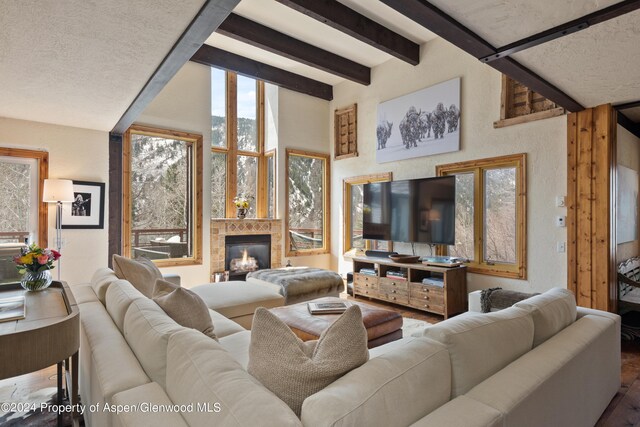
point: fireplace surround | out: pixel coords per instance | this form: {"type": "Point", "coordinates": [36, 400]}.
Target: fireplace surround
{"type": "Point", "coordinates": [221, 228]}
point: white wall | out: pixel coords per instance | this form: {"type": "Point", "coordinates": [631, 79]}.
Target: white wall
{"type": "Point", "coordinates": [303, 125]}
{"type": "Point", "coordinates": [544, 141]}
{"type": "Point", "coordinates": [185, 105]}
{"type": "Point", "coordinates": [78, 154]}
{"type": "Point", "coordinates": [628, 154]}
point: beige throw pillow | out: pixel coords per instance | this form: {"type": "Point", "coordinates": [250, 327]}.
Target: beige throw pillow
{"type": "Point", "coordinates": [293, 369]}
{"type": "Point", "coordinates": [142, 273]}
{"type": "Point", "coordinates": [183, 306]}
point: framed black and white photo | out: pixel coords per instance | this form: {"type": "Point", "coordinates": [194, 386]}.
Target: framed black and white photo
{"type": "Point", "coordinates": [87, 208]}
{"type": "Point", "coordinates": [422, 123]}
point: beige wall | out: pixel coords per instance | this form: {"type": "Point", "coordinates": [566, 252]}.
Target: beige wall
{"type": "Point", "coordinates": [628, 155]}
{"type": "Point", "coordinates": [302, 124]}
{"type": "Point", "coordinates": [78, 154]}
{"type": "Point", "coordinates": [544, 141]}
{"type": "Point", "coordinates": [185, 105]}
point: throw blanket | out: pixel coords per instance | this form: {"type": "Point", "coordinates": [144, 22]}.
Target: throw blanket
{"type": "Point", "coordinates": [499, 298]}
{"type": "Point", "coordinates": [298, 281]}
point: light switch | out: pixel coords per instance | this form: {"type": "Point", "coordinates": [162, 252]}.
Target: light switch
{"type": "Point", "coordinates": [561, 247]}
{"type": "Point", "coordinates": [560, 201]}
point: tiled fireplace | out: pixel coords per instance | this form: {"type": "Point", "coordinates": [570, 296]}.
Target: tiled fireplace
{"type": "Point", "coordinates": [222, 228]}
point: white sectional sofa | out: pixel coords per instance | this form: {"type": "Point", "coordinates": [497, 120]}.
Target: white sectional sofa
{"type": "Point", "coordinates": [133, 356]}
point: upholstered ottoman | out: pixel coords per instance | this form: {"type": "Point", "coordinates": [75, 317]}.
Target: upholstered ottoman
{"type": "Point", "coordinates": [299, 284]}
{"type": "Point", "coordinates": [238, 300]}
{"type": "Point", "coordinates": [382, 325]}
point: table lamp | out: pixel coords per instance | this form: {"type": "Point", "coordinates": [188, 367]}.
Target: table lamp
{"type": "Point", "coordinates": [58, 191]}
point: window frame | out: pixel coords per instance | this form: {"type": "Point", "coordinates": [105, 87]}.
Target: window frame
{"type": "Point", "coordinates": [231, 146]}
{"type": "Point", "coordinates": [347, 183]}
{"type": "Point", "coordinates": [518, 270]}
{"type": "Point", "coordinates": [326, 214]}
{"type": "Point", "coordinates": [42, 157]}
{"type": "Point", "coordinates": [196, 141]}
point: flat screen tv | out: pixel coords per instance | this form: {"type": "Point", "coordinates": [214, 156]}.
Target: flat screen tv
{"type": "Point", "coordinates": [416, 210]}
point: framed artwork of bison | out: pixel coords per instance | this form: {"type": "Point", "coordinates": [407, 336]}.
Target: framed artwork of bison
{"type": "Point", "coordinates": [419, 124]}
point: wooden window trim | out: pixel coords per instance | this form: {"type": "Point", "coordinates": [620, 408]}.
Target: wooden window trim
{"type": "Point", "coordinates": [347, 183]}
{"type": "Point", "coordinates": [326, 215]}
{"type": "Point", "coordinates": [263, 208]}
{"type": "Point", "coordinates": [196, 141]}
{"type": "Point", "coordinates": [43, 173]}
{"type": "Point", "coordinates": [232, 151]}
{"type": "Point", "coordinates": [518, 270]}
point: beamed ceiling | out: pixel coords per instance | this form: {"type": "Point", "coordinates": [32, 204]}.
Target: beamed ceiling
{"type": "Point", "coordinates": [98, 64]}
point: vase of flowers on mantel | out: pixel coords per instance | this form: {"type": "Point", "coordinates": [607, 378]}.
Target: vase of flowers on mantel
{"type": "Point", "coordinates": [35, 265]}
{"type": "Point", "coordinates": [242, 203]}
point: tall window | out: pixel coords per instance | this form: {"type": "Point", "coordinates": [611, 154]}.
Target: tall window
{"type": "Point", "coordinates": [239, 164]}
{"type": "Point", "coordinates": [491, 214]}
{"type": "Point", "coordinates": [307, 214]}
{"type": "Point", "coordinates": [353, 210]}
{"type": "Point", "coordinates": [23, 214]}
{"type": "Point", "coordinates": [162, 195]}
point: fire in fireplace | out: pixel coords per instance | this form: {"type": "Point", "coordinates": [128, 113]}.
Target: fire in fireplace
{"type": "Point", "coordinates": [247, 253]}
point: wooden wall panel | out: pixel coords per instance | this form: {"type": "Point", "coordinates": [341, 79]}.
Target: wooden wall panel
{"type": "Point", "coordinates": [590, 184]}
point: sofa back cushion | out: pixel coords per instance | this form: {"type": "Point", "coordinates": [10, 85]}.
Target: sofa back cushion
{"type": "Point", "coordinates": [147, 330]}
{"type": "Point", "coordinates": [551, 311]}
{"type": "Point", "coordinates": [119, 296]}
{"type": "Point", "coordinates": [100, 282]}
{"type": "Point", "coordinates": [141, 272]}
{"type": "Point", "coordinates": [199, 370]}
{"type": "Point", "coordinates": [481, 344]}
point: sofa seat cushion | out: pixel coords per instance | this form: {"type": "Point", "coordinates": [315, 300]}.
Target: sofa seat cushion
{"type": "Point", "coordinates": [147, 330]}
{"type": "Point", "coordinates": [136, 415]}
{"type": "Point", "coordinates": [567, 381]}
{"type": "Point", "coordinates": [551, 311]}
{"type": "Point", "coordinates": [224, 326]}
{"type": "Point", "coordinates": [113, 362]}
{"type": "Point", "coordinates": [482, 344]}
{"type": "Point", "coordinates": [141, 273]}
{"type": "Point", "coordinates": [293, 369]}
{"type": "Point", "coordinates": [118, 298]}
{"type": "Point", "coordinates": [237, 345]}
{"type": "Point", "coordinates": [100, 281]}
{"type": "Point", "coordinates": [236, 299]}
{"type": "Point", "coordinates": [200, 370]}
{"type": "Point", "coordinates": [400, 386]}
{"type": "Point", "coordinates": [84, 293]}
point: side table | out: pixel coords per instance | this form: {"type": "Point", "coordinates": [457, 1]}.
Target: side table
{"type": "Point", "coordinates": [49, 334]}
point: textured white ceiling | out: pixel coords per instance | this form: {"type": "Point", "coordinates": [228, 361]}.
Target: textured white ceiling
{"type": "Point", "coordinates": [297, 25]}
{"type": "Point", "coordinates": [82, 62]}
{"type": "Point", "coordinates": [501, 22]}
{"type": "Point", "coordinates": [598, 65]}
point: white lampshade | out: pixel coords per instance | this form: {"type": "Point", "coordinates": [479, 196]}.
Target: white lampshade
{"type": "Point", "coordinates": [57, 190]}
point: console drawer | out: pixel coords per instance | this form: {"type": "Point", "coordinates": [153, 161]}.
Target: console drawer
{"type": "Point", "coordinates": [396, 298]}
{"type": "Point", "coordinates": [393, 283]}
{"type": "Point", "coordinates": [426, 305]}
{"type": "Point", "coordinates": [427, 289]}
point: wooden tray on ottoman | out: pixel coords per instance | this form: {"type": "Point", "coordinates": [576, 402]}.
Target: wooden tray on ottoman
{"type": "Point", "coordinates": [382, 325]}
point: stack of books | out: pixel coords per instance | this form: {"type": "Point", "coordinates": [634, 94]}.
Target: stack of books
{"type": "Point", "coordinates": [369, 271]}
{"type": "Point", "coordinates": [433, 281]}
{"type": "Point", "coordinates": [397, 274]}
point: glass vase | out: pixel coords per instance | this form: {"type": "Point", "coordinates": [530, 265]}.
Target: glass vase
{"type": "Point", "coordinates": [34, 281]}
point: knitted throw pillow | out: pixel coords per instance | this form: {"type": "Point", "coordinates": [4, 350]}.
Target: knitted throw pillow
{"type": "Point", "coordinates": [141, 273]}
{"type": "Point", "coordinates": [293, 369]}
{"type": "Point", "coordinates": [183, 306]}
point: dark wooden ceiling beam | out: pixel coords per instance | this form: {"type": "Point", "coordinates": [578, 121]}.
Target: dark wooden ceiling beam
{"type": "Point", "coordinates": [438, 22]}
{"type": "Point", "coordinates": [218, 58]}
{"type": "Point", "coordinates": [210, 16]}
{"type": "Point", "coordinates": [565, 29]}
{"type": "Point", "coordinates": [342, 18]}
{"type": "Point", "coordinates": [250, 32]}
{"type": "Point", "coordinates": [627, 105]}
{"type": "Point", "coordinates": [629, 124]}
